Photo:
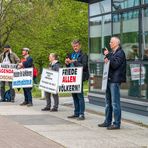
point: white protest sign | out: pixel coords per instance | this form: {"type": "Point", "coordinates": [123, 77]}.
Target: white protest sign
{"type": "Point", "coordinates": [6, 71]}
{"type": "Point", "coordinates": [136, 70]}
{"type": "Point", "coordinates": [70, 80]}
{"type": "Point", "coordinates": [105, 76]}
{"type": "Point", "coordinates": [23, 78]}
{"type": "Point", "coordinates": [49, 81]}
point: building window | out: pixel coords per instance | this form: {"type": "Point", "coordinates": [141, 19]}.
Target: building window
{"type": "Point", "coordinates": [118, 4]}
{"type": "Point", "coordinates": [130, 25]}
{"type": "Point", "coordinates": [145, 33]}
{"type": "Point", "coordinates": [100, 8]}
{"type": "Point", "coordinates": [125, 25]}
{"type": "Point", "coordinates": [145, 1]}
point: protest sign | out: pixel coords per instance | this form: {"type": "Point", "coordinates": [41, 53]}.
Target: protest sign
{"type": "Point", "coordinates": [49, 81]}
{"type": "Point", "coordinates": [22, 78]}
{"type": "Point", "coordinates": [136, 70]}
{"type": "Point", "coordinates": [105, 76]}
{"type": "Point", "coordinates": [6, 71]}
{"type": "Point", "coordinates": [70, 80]}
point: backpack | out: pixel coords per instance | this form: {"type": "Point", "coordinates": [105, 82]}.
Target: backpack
{"type": "Point", "coordinates": [7, 96]}
{"type": "Point", "coordinates": [35, 72]}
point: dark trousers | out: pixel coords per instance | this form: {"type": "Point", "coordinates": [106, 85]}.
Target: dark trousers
{"type": "Point", "coordinates": [79, 103]}
{"type": "Point", "coordinates": [3, 90]}
{"type": "Point", "coordinates": [48, 99]}
{"type": "Point", "coordinates": [28, 94]}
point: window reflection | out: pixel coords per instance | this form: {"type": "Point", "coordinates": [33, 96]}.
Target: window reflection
{"type": "Point", "coordinates": [100, 30]}
{"type": "Point", "coordinates": [100, 7]}
{"type": "Point", "coordinates": [96, 71]}
{"type": "Point", "coordinates": [118, 4]}
{"type": "Point", "coordinates": [125, 25]}
{"type": "Point", "coordinates": [145, 1]}
{"type": "Point", "coordinates": [145, 34]}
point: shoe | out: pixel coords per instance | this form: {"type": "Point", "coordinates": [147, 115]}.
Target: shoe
{"type": "Point", "coordinates": [54, 110]}
{"type": "Point", "coordinates": [24, 103]}
{"type": "Point", "coordinates": [103, 125]}
{"type": "Point", "coordinates": [73, 116]}
{"type": "Point", "coordinates": [81, 117]}
{"type": "Point", "coordinates": [45, 109]}
{"type": "Point", "coordinates": [113, 127]}
{"type": "Point", "coordinates": [2, 100]}
{"type": "Point", "coordinates": [29, 104]}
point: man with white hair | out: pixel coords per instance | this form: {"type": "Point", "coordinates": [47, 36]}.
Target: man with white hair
{"type": "Point", "coordinates": [26, 62]}
{"type": "Point", "coordinates": [117, 75]}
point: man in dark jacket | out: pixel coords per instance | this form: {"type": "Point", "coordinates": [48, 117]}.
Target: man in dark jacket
{"type": "Point", "coordinates": [78, 59]}
{"type": "Point", "coordinates": [8, 57]}
{"type": "Point", "coordinates": [117, 75]}
{"type": "Point", "coordinates": [27, 62]}
{"type": "Point", "coordinates": [55, 65]}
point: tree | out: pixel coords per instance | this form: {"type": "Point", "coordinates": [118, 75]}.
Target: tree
{"type": "Point", "coordinates": [11, 13]}
{"type": "Point", "coordinates": [50, 26]}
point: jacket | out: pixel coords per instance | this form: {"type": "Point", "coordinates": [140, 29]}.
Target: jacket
{"type": "Point", "coordinates": [117, 69]}
{"type": "Point", "coordinates": [55, 66]}
{"type": "Point", "coordinates": [12, 57]}
{"type": "Point", "coordinates": [82, 61]}
{"type": "Point", "coordinates": [28, 62]}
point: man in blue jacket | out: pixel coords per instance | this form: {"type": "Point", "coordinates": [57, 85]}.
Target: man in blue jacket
{"type": "Point", "coordinates": [117, 75]}
{"type": "Point", "coordinates": [27, 62]}
{"type": "Point", "coordinates": [78, 59]}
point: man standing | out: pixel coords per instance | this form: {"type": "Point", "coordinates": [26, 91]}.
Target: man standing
{"type": "Point", "coordinates": [117, 75]}
{"type": "Point", "coordinates": [78, 59]}
{"type": "Point", "coordinates": [27, 62]}
{"type": "Point", "coordinates": [8, 57]}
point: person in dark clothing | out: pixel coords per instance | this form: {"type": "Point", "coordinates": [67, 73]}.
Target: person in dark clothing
{"type": "Point", "coordinates": [8, 57]}
{"type": "Point", "coordinates": [117, 75]}
{"type": "Point", "coordinates": [27, 62]}
{"type": "Point", "coordinates": [78, 59]}
{"type": "Point", "coordinates": [55, 65]}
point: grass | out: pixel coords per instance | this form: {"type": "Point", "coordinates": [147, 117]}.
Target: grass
{"type": "Point", "coordinates": [36, 92]}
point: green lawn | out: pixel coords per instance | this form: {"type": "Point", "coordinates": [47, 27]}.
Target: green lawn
{"type": "Point", "coordinates": [36, 92]}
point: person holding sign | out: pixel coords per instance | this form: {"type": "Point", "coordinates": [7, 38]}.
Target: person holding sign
{"type": "Point", "coordinates": [116, 75]}
{"type": "Point", "coordinates": [55, 65]}
{"type": "Point", "coordinates": [78, 59]}
{"type": "Point", "coordinates": [8, 57]}
{"type": "Point", "coordinates": [27, 62]}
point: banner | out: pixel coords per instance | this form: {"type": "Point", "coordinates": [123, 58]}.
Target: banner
{"type": "Point", "coordinates": [105, 76]}
{"type": "Point", "coordinates": [136, 70]}
{"type": "Point", "coordinates": [70, 80]}
{"type": "Point", "coordinates": [6, 71]}
{"type": "Point", "coordinates": [23, 78]}
{"type": "Point", "coordinates": [49, 81]}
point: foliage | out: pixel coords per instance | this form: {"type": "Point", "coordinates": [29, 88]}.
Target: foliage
{"type": "Point", "coordinates": [45, 26]}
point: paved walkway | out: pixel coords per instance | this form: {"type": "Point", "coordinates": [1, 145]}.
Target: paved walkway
{"type": "Point", "coordinates": [29, 127]}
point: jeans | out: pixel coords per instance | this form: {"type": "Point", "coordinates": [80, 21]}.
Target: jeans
{"type": "Point", "coordinates": [79, 103]}
{"type": "Point", "coordinates": [112, 101]}
{"type": "Point", "coordinates": [3, 90]}
{"type": "Point", "coordinates": [28, 95]}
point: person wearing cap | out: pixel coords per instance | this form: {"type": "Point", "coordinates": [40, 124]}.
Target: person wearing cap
{"type": "Point", "coordinates": [26, 62]}
{"type": "Point", "coordinates": [8, 57]}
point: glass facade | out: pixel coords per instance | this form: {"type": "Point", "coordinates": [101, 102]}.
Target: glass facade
{"type": "Point", "coordinates": [128, 20]}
